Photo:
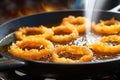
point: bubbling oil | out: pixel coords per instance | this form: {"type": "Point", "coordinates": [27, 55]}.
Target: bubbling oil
{"type": "Point", "coordinates": [80, 41]}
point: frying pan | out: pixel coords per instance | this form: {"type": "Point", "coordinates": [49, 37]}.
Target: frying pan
{"type": "Point", "coordinates": [49, 69]}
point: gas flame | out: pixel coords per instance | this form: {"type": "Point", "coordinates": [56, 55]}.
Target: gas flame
{"type": "Point", "coordinates": [17, 8]}
{"type": "Point", "coordinates": [42, 8]}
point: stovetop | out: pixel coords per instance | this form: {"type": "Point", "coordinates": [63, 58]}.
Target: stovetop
{"type": "Point", "coordinates": [17, 75]}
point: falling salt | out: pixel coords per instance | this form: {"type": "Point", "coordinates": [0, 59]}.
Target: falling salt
{"type": "Point", "coordinates": [89, 7]}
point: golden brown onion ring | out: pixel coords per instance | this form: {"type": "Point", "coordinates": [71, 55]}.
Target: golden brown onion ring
{"type": "Point", "coordinates": [107, 45]}
{"type": "Point", "coordinates": [34, 31]}
{"type": "Point", "coordinates": [64, 33]}
{"type": "Point", "coordinates": [107, 27]}
{"type": "Point", "coordinates": [78, 22]}
{"type": "Point", "coordinates": [31, 48]}
{"type": "Point", "coordinates": [84, 53]}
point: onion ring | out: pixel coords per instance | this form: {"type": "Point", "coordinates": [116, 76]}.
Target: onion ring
{"type": "Point", "coordinates": [104, 45]}
{"type": "Point", "coordinates": [111, 26]}
{"type": "Point", "coordinates": [64, 33]}
{"type": "Point", "coordinates": [78, 22]}
{"type": "Point", "coordinates": [84, 53]}
{"type": "Point", "coordinates": [31, 48]}
{"type": "Point", "coordinates": [34, 31]}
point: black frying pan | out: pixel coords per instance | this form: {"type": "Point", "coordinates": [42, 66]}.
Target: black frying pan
{"type": "Point", "coordinates": [48, 69]}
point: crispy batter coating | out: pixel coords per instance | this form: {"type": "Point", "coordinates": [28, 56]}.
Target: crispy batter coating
{"type": "Point", "coordinates": [31, 48]}
{"type": "Point", "coordinates": [78, 22]}
{"type": "Point", "coordinates": [111, 26]}
{"type": "Point", "coordinates": [107, 45]}
{"type": "Point", "coordinates": [40, 31]}
{"type": "Point", "coordinates": [84, 53]}
{"type": "Point", "coordinates": [64, 33]}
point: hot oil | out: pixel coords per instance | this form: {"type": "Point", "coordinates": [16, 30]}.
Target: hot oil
{"type": "Point", "coordinates": [80, 41]}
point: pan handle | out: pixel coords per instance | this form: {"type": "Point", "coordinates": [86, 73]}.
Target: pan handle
{"type": "Point", "coordinates": [115, 9]}
{"type": "Point", "coordinates": [6, 64]}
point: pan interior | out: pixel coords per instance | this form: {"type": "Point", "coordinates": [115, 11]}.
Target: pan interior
{"type": "Point", "coordinates": [10, 38]}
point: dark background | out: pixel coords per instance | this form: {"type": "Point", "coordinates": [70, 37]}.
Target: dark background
{"type": "Point", "coordinates": [10, 9]}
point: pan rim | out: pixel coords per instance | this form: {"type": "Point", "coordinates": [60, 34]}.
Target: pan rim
{"type": "Point", "coordinates": [17, 18]}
